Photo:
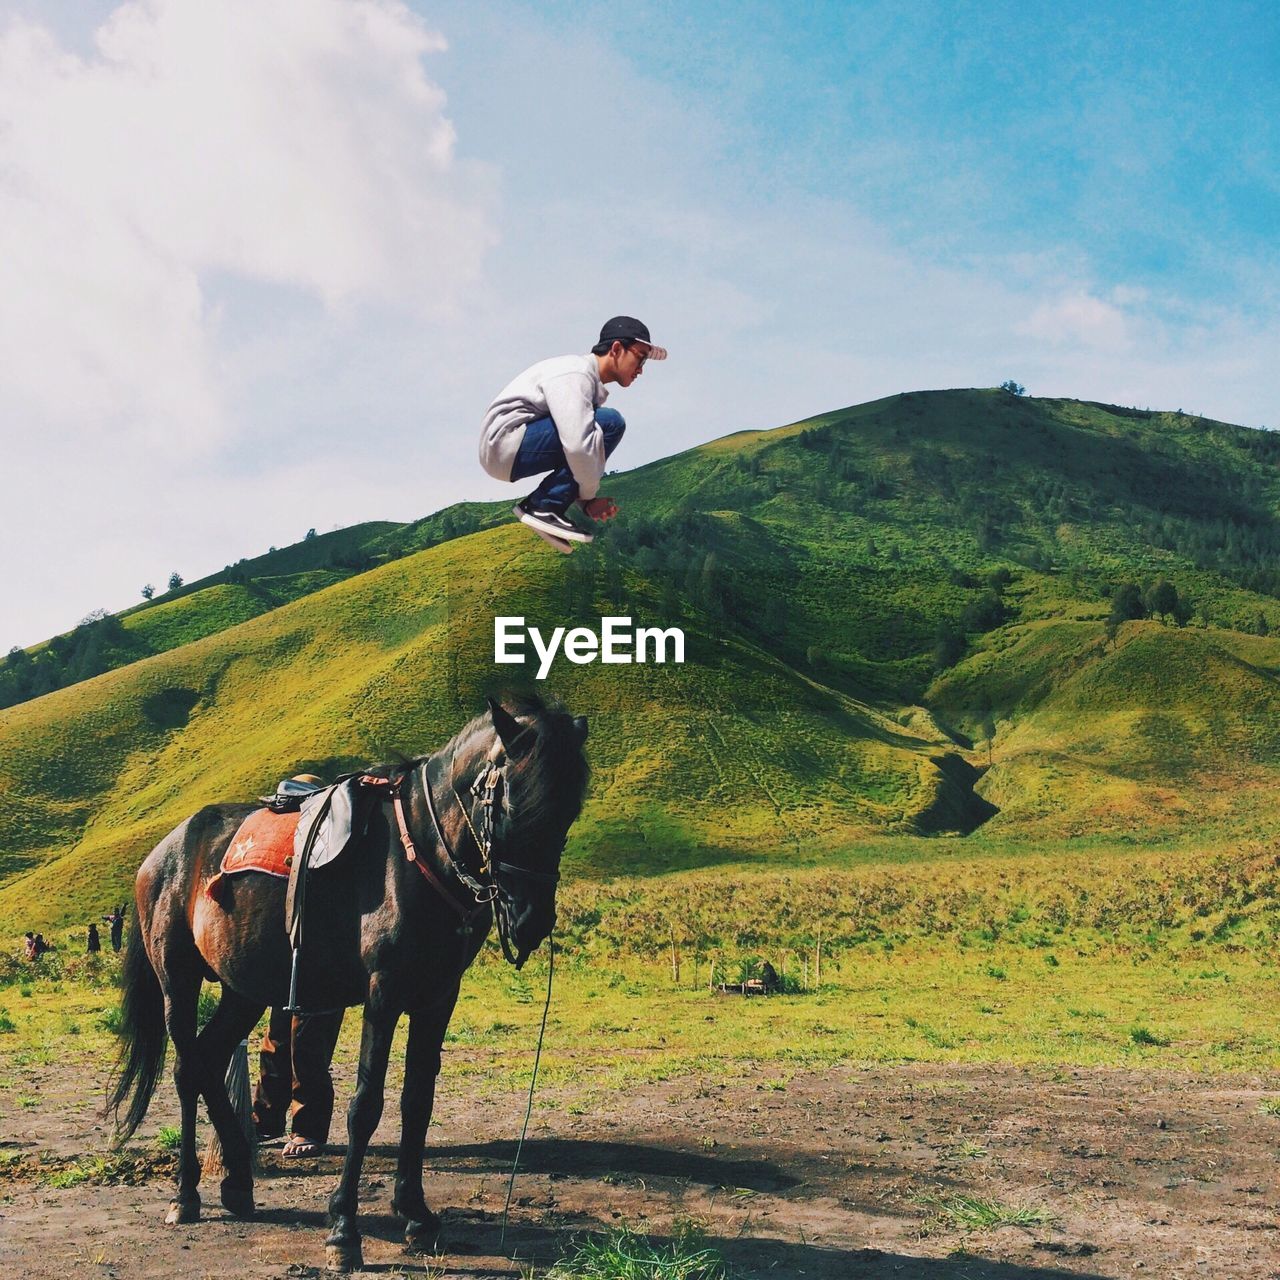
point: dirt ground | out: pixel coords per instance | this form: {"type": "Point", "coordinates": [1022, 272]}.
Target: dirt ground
{"type": "Point", "coordinates": [826, 1176]}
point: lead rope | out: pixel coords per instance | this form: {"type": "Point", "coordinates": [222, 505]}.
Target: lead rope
{"type": "Point", "coordinates": [537, 1057]}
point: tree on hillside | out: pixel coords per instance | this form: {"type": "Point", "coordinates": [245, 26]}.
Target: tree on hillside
{"type": "Point", "coordinates": [311, 533]}
{"type": "Point", "coordinates": [175, 580]}
{"type": "Point", "coordinates": [986, 718]}
{"type": "Point", "coordinates": [948, 646]}
{"type": "Point", "coordinates": [1161, 598]}
{"type": "Point", "coordinates": [1013, 388]}
{"type": "Point", "coordinates": [1127, 604]}
{"type": "Point", "coordinates": [148, 591]}
{"type": "Point", "coordinates": [983, 614]}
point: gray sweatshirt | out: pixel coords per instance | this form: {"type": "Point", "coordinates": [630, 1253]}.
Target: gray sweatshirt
{"type": "Point", "coordinates": [566, 389]}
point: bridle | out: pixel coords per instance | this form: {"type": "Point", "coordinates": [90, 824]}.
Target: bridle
{"type": "Point", "coordinates": [484, 889]}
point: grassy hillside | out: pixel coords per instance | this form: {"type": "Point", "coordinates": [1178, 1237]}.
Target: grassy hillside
{"type": "Point", "coordinates": [896, 620]}
{"type": "Point", "coordinates": [102, 642]}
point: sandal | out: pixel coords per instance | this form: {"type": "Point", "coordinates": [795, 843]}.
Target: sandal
{"type": "Point", "coordinates": [298, 1148]}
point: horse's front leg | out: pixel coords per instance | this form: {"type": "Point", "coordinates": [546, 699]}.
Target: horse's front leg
{"type": "Point", "coordinates": [342, 1248]}
{"type": "Point", "coordinates": [421, 1067]}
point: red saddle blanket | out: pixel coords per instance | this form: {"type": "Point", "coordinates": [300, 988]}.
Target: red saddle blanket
{"type": "Point", "coordinates": [264, 842]}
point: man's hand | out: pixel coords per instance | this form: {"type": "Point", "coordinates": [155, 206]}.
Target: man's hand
{"type": "Point", "coordinates": [600, 508]}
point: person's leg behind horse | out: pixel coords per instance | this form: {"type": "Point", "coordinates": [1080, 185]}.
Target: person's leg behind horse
{"type": "Point", "coordinates": [541, 450]}
{"type": "Point", "coordinates": [417, 1098]}
{"type": "Point", "coordinates": [314, 1039]}
{"type": "Point", "coordinates": [342, 1247]}
{"type": "Point", "coordinates": [274, 1090]}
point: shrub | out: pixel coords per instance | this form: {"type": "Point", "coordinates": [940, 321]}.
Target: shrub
{"type": "Point", "coordinates": [626, 1255]}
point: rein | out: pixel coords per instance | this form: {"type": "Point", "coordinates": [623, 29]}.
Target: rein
{"type": "Point", "coordinates": [533, 1080]}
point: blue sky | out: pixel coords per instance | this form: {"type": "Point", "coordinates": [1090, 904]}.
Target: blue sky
{"type": "Point", "coordinates": [249, 227]}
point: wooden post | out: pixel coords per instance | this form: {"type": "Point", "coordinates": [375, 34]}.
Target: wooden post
{"type": "Point", "coordinates": [817, 960]}
{"type": "Point", "coordinates": [675, 958]}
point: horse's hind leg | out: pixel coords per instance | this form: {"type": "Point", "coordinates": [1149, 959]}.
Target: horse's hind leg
{"type": "Point", "coordinates": [233, 1019]}
{"type": "Point", "coordinates": [180, 999]}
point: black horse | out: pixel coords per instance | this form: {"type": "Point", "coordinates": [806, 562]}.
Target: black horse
{"type": "Point", "coordinates": [457, 839]}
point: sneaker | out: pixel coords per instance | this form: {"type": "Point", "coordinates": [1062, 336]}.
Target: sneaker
{"type": "Point", "coordinates": [559, 543]}
{"type": "Point", "coordinates": [551, 522]}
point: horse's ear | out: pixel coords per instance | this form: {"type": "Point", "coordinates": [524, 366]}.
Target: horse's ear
{"type": "Point", "coordinates": [580, 724]}
{"type": "Point", "coordinates": [505, 724]}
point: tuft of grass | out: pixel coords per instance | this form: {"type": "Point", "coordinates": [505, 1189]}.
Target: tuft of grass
{"type": "Point", "coordinates": [6, 1021]}
{"type": "Point", "coordinates": [969, 1150]}
{"type": "Point", "coordinates": [1143, 1036]}
{"type": "Point", "coordinates": [132, 1168]}
{"type": "Point", "coordinates": [168, 1137]}
{"type": "Point", "coordinates": [73, 1175]}
{"type": "Point", "coordinates": [626, 1255]}
{"type": "Point", "coordinates": [1269, 1107]}
{"type": "Point", "coordinates": [978, 1213]}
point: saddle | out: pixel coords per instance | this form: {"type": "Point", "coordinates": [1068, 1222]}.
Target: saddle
{"type": "Point", "coordinates": [302, 827]}
{"type": "Point", "coordinates": [330, 821]}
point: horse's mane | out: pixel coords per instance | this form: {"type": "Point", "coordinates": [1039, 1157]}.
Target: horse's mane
{"type": "Point", "coordinates": [549, 781]}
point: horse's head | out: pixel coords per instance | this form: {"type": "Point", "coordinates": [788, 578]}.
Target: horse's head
{"type": "Point", "coordinates": [522, 775]}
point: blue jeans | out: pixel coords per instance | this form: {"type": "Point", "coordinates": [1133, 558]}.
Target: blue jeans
{"type": "Point", "coordinates": [540, 451]}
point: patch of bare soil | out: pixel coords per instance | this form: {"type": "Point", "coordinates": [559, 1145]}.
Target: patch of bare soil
{"type": "Point", "coordinates": [832, 1176]}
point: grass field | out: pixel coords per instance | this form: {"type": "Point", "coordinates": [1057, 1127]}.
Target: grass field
{"type": "Point", "coordinates": [1159, 960]}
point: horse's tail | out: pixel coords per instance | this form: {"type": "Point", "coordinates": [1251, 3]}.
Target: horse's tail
{"type": "Point", "coordinates": [142, 1035]}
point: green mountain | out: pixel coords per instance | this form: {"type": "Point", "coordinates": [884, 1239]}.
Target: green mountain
{"type": "Point", "coordinates": [899, 625]}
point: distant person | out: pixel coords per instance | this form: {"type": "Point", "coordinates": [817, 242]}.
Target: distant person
{"type": "Point", "coordinates": [549, 419]}
{"type": "Point", "coordinates": [41, 946]}
{"type": "Point", "coordinates": [95, 943]}
{"type": "Point", "coordinates": [29, 945]}
{"type": "Point", "coordinates": [294, 1074]}
{"type": "Point", "coordinates": [116, 921]}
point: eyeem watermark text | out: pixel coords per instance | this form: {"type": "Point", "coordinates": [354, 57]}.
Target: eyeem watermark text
{"type": "Point", "coordinates": [617, 641]}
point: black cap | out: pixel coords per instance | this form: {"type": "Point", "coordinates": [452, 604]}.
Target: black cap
{"type": "Point", "coordinates": [629, 329]}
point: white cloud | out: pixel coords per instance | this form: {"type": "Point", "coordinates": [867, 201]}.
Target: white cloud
{"type": "Point", "coordinates": [199, 179]}
{"type": "Point", "coordinates": [1079, 319]}
{"type": "Point", "coordinates": [297, 142]}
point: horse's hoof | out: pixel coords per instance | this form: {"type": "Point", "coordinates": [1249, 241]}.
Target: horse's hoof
{"type": "Point", "coordinates": [237, 1200]}
{"type": "Point", "coordinates": [181, 1211]}
{"type": "Point", "coordinates": [343, 1257]}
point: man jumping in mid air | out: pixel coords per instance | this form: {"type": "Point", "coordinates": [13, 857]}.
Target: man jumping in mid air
{"type": "Point", "coordinates": [550, 418]}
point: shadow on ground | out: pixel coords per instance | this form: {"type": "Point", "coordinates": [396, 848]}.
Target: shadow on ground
{"type": "Point", "coordinates": [585, 1159]}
